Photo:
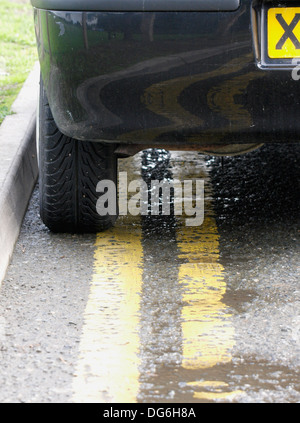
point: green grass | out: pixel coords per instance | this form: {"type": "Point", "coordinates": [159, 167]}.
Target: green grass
{"type": "Point", "coordinates": [18, 50]}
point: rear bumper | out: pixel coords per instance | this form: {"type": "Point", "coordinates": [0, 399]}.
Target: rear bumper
{"type": "Point", "coordinates": [162, 78]}
{"type": "Point", "coordinates": [137, 5]}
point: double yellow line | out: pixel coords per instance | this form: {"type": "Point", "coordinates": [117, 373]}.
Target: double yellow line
{"type": "Point", "coordinates": [109, 364]}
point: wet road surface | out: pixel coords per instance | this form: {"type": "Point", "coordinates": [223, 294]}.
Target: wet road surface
{"type": "Point", "coordinates": [156, 311]}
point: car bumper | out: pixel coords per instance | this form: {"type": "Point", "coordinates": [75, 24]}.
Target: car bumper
{"type": "Point", "coordinates": [163, 78]}
{"type": "Point", "coordinates": [138, 5]}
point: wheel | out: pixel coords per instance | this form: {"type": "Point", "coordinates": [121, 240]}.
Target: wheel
{"type": "Point", "coordinates": [69, 173]}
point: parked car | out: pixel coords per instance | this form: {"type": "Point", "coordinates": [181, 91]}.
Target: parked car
{"type": "Point", "coordinates": [120, 76]}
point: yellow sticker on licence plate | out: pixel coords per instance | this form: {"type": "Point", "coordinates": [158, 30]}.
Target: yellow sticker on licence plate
{"type": "Point", "coordinates": [284, 32]}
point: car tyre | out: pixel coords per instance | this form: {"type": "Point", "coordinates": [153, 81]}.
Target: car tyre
{"type": "Point", "coordinates": [69, 172]}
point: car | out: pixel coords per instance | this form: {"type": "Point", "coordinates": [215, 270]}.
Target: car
{"type": "Point", "coordinates": [119, 76]}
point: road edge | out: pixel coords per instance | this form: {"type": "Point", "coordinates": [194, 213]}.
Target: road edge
{"type": "Point", "coordinates": [19, 168]}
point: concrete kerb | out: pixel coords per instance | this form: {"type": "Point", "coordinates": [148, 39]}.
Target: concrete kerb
{"type": "Point", "coordinates": [18, 166]}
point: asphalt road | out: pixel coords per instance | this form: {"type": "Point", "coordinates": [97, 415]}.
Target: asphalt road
{"type": "Point", "coordinates": [156, 311]}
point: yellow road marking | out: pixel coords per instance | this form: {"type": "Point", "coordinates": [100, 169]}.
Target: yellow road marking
{"type": "Point", "coordinates": [216, 395]}
{"type": "Point", "coordinates": [207, 332]}
{"type": "Point", "coordinates": [108, 366]}
{"type": "Point", "coordinates": [216, 390]}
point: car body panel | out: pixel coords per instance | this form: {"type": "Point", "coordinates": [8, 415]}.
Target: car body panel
{"type": "Point", "coordinates": [163, 78]}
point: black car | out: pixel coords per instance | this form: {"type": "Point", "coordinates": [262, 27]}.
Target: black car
{"type": "Point", "coordinates": [120, 76]}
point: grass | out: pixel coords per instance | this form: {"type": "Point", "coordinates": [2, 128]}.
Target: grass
{"type": "Point", "coordinates": [18, 50]}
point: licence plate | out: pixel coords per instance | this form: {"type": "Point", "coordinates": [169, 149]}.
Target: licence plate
{"type": "Point", "coordinates": [283, 32]}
